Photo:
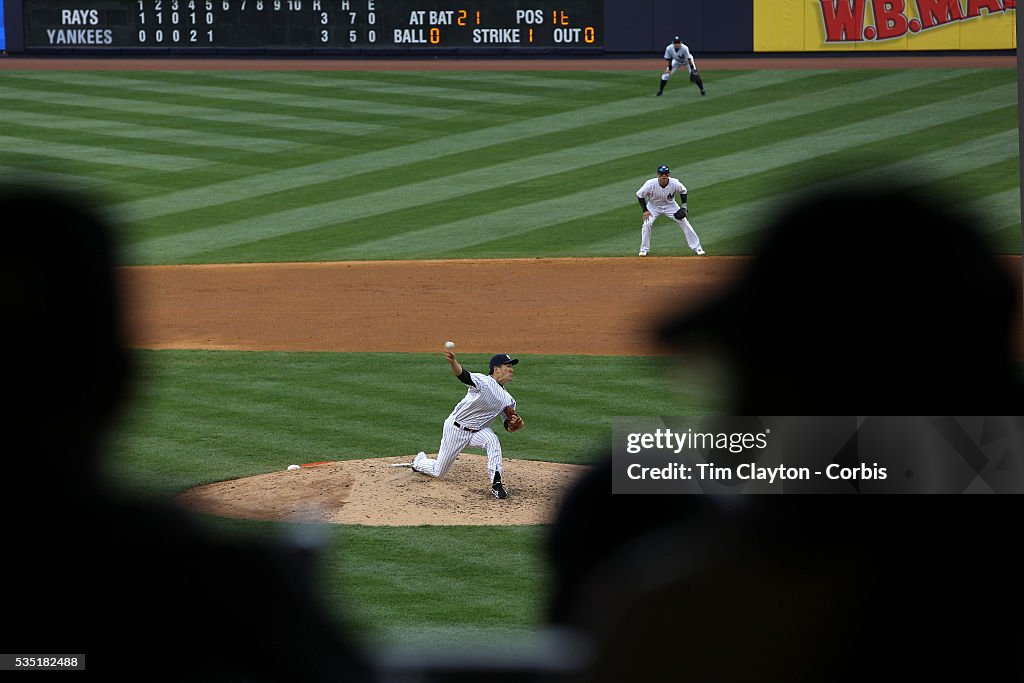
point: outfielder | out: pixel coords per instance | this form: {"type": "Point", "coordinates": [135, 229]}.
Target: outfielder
{"type": "Point", "coordinates": [657, 197]}
{"type": "Point", "coordinates": [677, 54]}
{"type": "Point", "coordinates": [469, 423]}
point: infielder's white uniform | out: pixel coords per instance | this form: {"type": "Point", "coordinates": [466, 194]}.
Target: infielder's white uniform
{"type": "Point", "coordinates": [468, 426]}
{"type": "Point", "coordinates": [661, 201]}
{"type": "Point", "coordinates": [679, 57]}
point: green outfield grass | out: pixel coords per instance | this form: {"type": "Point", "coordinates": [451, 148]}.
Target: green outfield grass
{"type": "Point", "coordinates": [202, 416]}
{"type": "Point", "coordinates": [258, 166]}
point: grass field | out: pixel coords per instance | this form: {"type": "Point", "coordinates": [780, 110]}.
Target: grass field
{"type": "Point", "coordinates": [258, 166]}
{"type": "Point", "coordinates": [204, 416]}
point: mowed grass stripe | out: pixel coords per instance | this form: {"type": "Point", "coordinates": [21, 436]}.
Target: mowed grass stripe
{"type": "Point", "coordinates": [354, 83]}
{"type": "Point", "coordinates": [320, 105]}
{"type": "Point", "coordinates": [582, 85]}
{"type": "Point", "coordinates": [239, 150]}
{"type": "Point", "coordinates": [924, 151]}
{"type": "Point", "coordinates": [593, 161]}
{"type": "Point", "coordinates": [529, 185]}
{"type": "Point", "coordinates": [367, 206]}
{"type": "Point", "coordinates": [781, 171]}
{"type": "Point", "coordinates": [336, 171]}
{"type": "Point", "coordinates": [334, 187]}
{"type": "Point", "coordinates": [493, 92]}
{"type": "Point", "coordinates": [730, 228]}
{"type": "Point", "coordinates": [399, 156]}
{"type": "Point", "coordinates": [998, 209]}
{"type": "Point", "coordinates": [457, 235]}
{"type": "Point", "coordinates": [93, 154]}
{"type": "Point", "coordinates": [537, 82]}
{"type": "Point", "coordinates": [519, 180]}
{"type": "Point", "coordinates": [197, 112]}
{"type": "Point", "coordinates": [135, 151]}
{"type": "Point", "coordinates": [441, 106]}
{"type": "Point", "coordinates": [471, 113]}
{"type": "Point", "coordinates": [81, 126]}
{"type": "Point", "coordinates": [159, 118]}
{"type": "Point", "coordinates": [32, 172]}
{"type": "Point", "coordinates": [728, 225]}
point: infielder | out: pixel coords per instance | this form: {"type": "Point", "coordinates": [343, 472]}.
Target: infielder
{"type": "Point", "coordinates": [677, 54]}
{"type": "Point", "coordinates": [657, 197]}
{"type": "Point", "coordinates": [469, 423]}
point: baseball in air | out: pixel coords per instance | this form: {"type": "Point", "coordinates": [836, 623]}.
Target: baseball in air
{"type": "Point", "coordinates": [449, 345]}
{"type": "Point", "coordinates": [293, 467]}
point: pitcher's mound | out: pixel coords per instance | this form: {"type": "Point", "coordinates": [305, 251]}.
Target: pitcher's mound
{"type": "Point", "coordinates": [373, 492]}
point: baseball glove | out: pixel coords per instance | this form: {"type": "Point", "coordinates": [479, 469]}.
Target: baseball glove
{"type": "Point", "coordinates": [680, 213]}
{"type": "Point", "coordinates": [694, 75]}
{"type": "Point", "coordinates": [512, 422]}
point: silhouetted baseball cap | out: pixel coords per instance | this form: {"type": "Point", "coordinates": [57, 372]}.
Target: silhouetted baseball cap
{"type": "Point", "coordinates": [503, 359]}
{"type": "Point", "coordinates": [663, 169]}
{"type": "Point", "coordinates": [676, 40]}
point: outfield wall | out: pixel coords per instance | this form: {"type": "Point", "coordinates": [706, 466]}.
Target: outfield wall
{"type": "Point", "coordinates": [624, 27]}
{"type": "Point", "coordinates": [704, 25]}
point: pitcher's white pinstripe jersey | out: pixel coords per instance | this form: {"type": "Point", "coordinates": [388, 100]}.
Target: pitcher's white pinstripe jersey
{"type": "Point", "coordinates": [482, 403]}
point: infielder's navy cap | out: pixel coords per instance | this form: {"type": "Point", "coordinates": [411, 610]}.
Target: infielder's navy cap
{"type": "Point", "coordinates": [676, 40]}
{"type": "Point", "coordinates": [663, 169]}
{"type": "Point", "coordinates": [503, 359]}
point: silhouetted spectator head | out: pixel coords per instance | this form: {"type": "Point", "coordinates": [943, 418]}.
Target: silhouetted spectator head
{"type": "Point", "coordinates": [859, 301]}
{"type": "Point", "coordinates": [121, 580]}
{"type": "Point", "coordinates": [868, 298]}
{"type": "Point", "coordinates": [64, 349]}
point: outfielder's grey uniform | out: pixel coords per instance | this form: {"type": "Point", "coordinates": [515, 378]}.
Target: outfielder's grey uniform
{"type": "Point", "coordinates": [469, 426]}
{"type": "Point", "coordinates": [661, 201]}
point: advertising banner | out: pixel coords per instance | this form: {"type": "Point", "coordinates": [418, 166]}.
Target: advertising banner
{"type": "Point", "coordinates": [884, 25]}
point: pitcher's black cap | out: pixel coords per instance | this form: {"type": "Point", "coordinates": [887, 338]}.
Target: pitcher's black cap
{"type": "Point", "coordinates": [503, 359]}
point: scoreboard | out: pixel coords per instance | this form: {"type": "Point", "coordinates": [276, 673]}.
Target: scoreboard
{"type": "Point", "coordinates": [328, 25]}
